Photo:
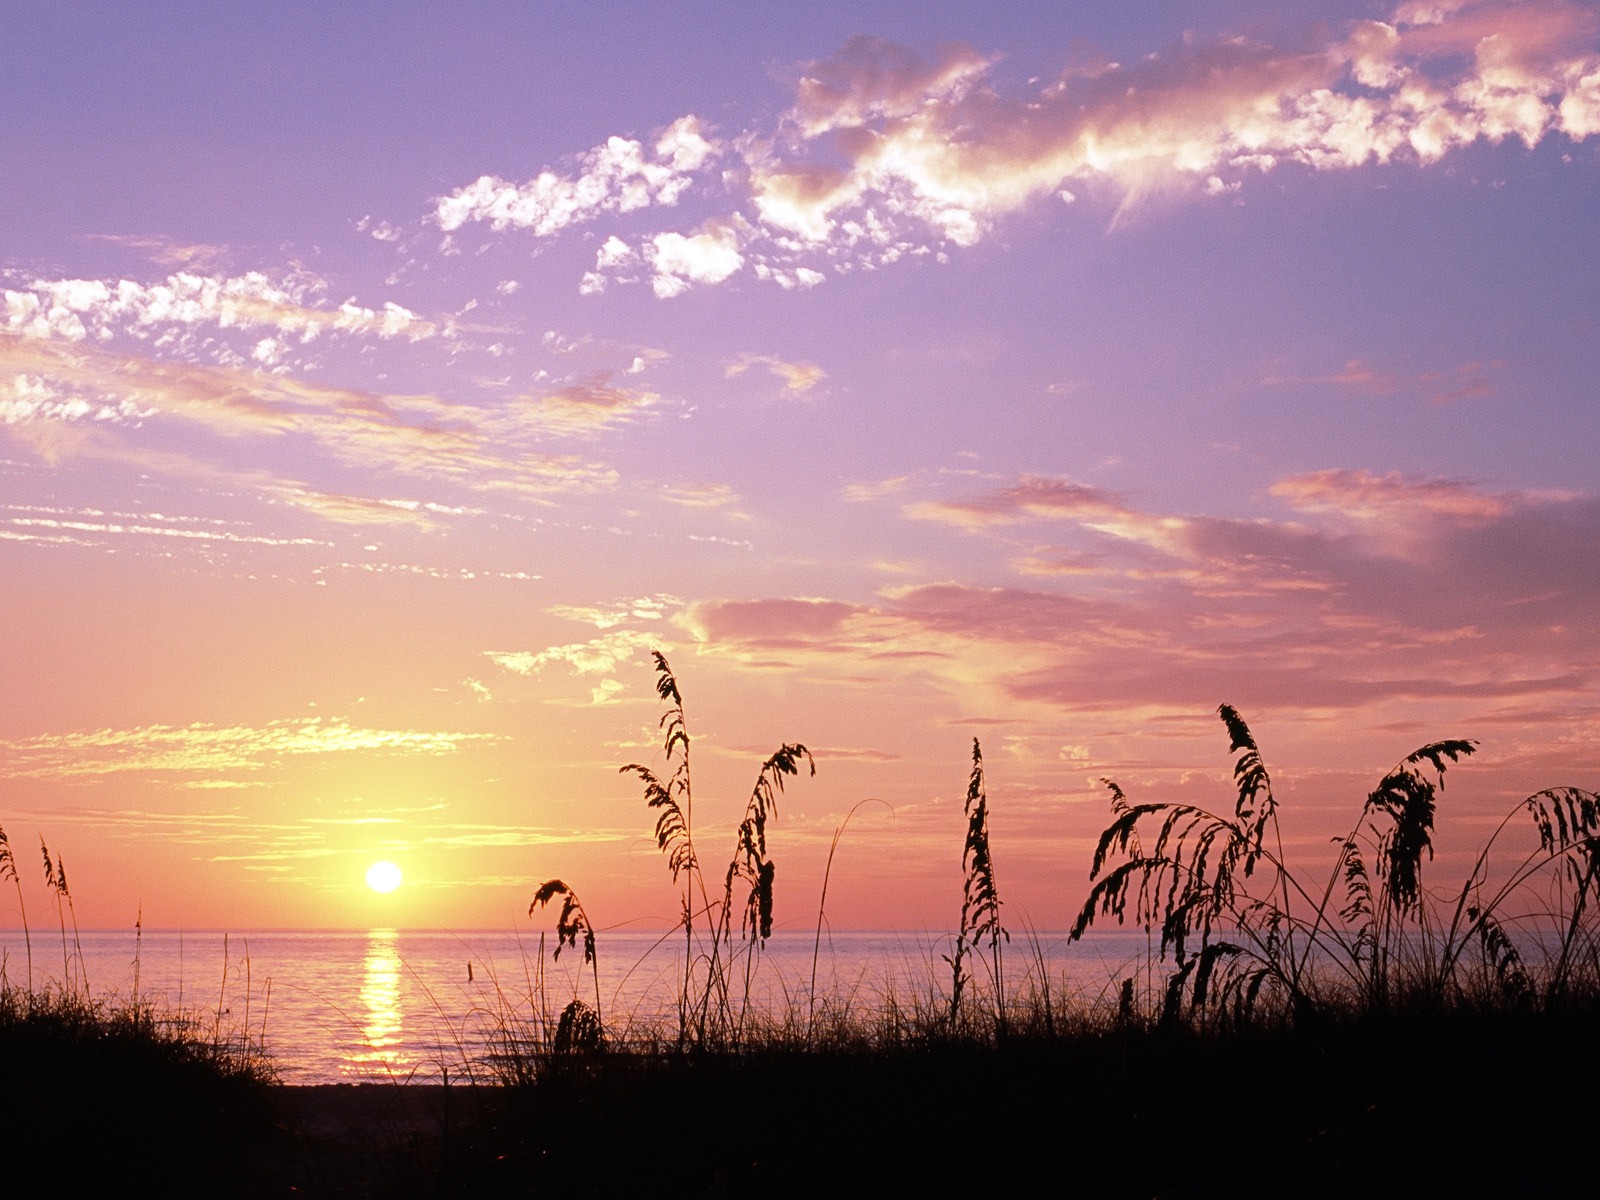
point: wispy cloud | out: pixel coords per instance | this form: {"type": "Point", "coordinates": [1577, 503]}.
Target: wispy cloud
{"type": "Point", "coordinates": [1462, 382]}
{"type": "Point", "coordinates": [622, 612]}
{"type": "Point", "coordinates": [240, 837]}
{"type": "Point", "coordinates": [169, 252]}
{"type": "Point", "coordinates": [579, 409]}
{"type": "Point", "coordinates": [1367, 495]}
{"type": "Point", "coordinates": [213, 749]}
{"type": "Point", "coordinates": [79, 399]}
{"type": "Point", "coordinates": [1042, 498]}
{"type": "Point", "coordinates": [701, 495]}
{"type": "Point", "coordinates": [797, 378]}
{"type": "Point", "coordinates": [138, 527]}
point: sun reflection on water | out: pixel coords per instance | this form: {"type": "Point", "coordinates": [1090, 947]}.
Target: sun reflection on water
{"type": "Point", "coordinates": [382, 1026]}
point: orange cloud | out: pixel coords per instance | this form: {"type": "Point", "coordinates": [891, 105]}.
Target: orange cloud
{"type": "Point", "coordinates": [798, 378]}
{"type": "Point", "coordinates": [584, 408]}
{"type": "Point", "coordinates": [1366, 495]}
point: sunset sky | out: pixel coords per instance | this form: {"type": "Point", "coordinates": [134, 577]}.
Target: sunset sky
{"type": "Point", "coordinates": [380, 384]}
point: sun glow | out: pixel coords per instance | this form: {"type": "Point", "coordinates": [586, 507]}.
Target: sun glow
{"type": "Point", "coordinates": [383, 877]}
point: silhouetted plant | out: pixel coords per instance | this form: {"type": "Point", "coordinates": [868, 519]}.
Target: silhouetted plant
{"type": "Point", "coordinates": [1567, 821]}
{"type": "Point", "coordinates": [673, 800]}
{"type": "Point", "coordinates": [673, 797]}
{"type": "Point", "coordinates": [1397, 822]}
{"type": "Point", "coordinates": [1188, 870]}
{"type": "Point", "coordinates": [572, 924]}
{"type": "Point", "coordinates": [980, 900]}
{"type": "Point", "coordinates": [1191, 880]}
{"type": "Point", "coordinates": [55, 878]}
{"type": "Point", "coordinates": [578, 1031]}
{"type": "Point", "coordinates": [750, 864]}
{"type": "Point", "coordinates": [822, 904]}
{"type": "Point", "coordinates": [8, 870]}
{"type": "Point", "coordinates": [1194, 883]}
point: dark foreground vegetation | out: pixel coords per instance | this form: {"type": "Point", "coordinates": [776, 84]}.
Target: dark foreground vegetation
{"type": "Point", "coordinates": [1450, 1104]}
{"type": "Point", "coordinates": [1461, 1105]}
{"type": "Point", "coordinates": [1358, 1034]}
{"type": "Point", "coordinates": [99, 1094]}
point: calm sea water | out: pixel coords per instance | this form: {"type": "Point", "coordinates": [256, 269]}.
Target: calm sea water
{"type": "Point", "coordinates": [386, 1004]}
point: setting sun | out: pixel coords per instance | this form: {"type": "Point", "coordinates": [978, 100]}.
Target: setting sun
{"type": "Point", "coordinates": [383, 877]}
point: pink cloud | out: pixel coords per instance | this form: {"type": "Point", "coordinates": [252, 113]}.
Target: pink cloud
{"type": "Point", "coordinates": [1462, 382]}
{"type": "Point", "coordinates": [1366, 495]}
{"type": "Point", "coordinates": [1489, 596]}
{"type": "Point", "coordinates": [1355, 374]}
{"type": "Point", "coordinates": [1031, 497]}
{"type": "Point", "coordinates": [768, 623]}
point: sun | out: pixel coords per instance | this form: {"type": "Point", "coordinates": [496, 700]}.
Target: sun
{"type": "Point", "coordinates": [383, 877]}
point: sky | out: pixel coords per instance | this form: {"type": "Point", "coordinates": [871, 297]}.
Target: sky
{"type": "Point", "coordinates": [380, 385]}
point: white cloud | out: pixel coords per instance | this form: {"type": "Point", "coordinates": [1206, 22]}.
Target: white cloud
{"type": "Point", "coordinates": [32, 398]}
{"type": "Point", "coordinates": [709, 256]}
{"type": "Point", "coordinates": [880, 138]}
{"type": "Point", "coordinates": [885, 155]}
{"type": "Point", "coordinates": [618, 176]}
{"type": "Point", "coordinates": [614, 253]}
{"type": "Point", "coordinates": [599, 656]}
{"type": "Point", "coordinates": [77, 310]}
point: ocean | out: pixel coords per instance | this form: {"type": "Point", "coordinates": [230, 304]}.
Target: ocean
{"type": "Point", "coordinates": [409, 1006]}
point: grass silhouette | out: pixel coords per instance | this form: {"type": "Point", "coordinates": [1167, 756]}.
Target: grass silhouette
{"type": "Point", "coordinates": [706, 1012]}
{"type": "Point", "coordinates": [1304, 1039]}
{"type": "Point", "coordinates": [1372, 939]}
{"type": "Point", "coordinates": [119, 1094]}
{"type": "Point", "coordinates": [1353, 1032]}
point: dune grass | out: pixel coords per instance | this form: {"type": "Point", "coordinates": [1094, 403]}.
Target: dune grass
{"type": "Point", "coordinates": [116, 1094]}
{"type": "Point", "coordinates": [1356, 1031]}
{"type": "Point", "coordinates": [1519, 933]}
{"type": "Point", "coordinates": [119, 1092]}
{"type": "Point", "coordinates": [1352, 1031]}
{"type": "Point", "coordinates": [1242, 937]}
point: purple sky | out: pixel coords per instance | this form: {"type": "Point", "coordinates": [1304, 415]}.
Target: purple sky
{"type": "Point", "coordinates": [378, 388]}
